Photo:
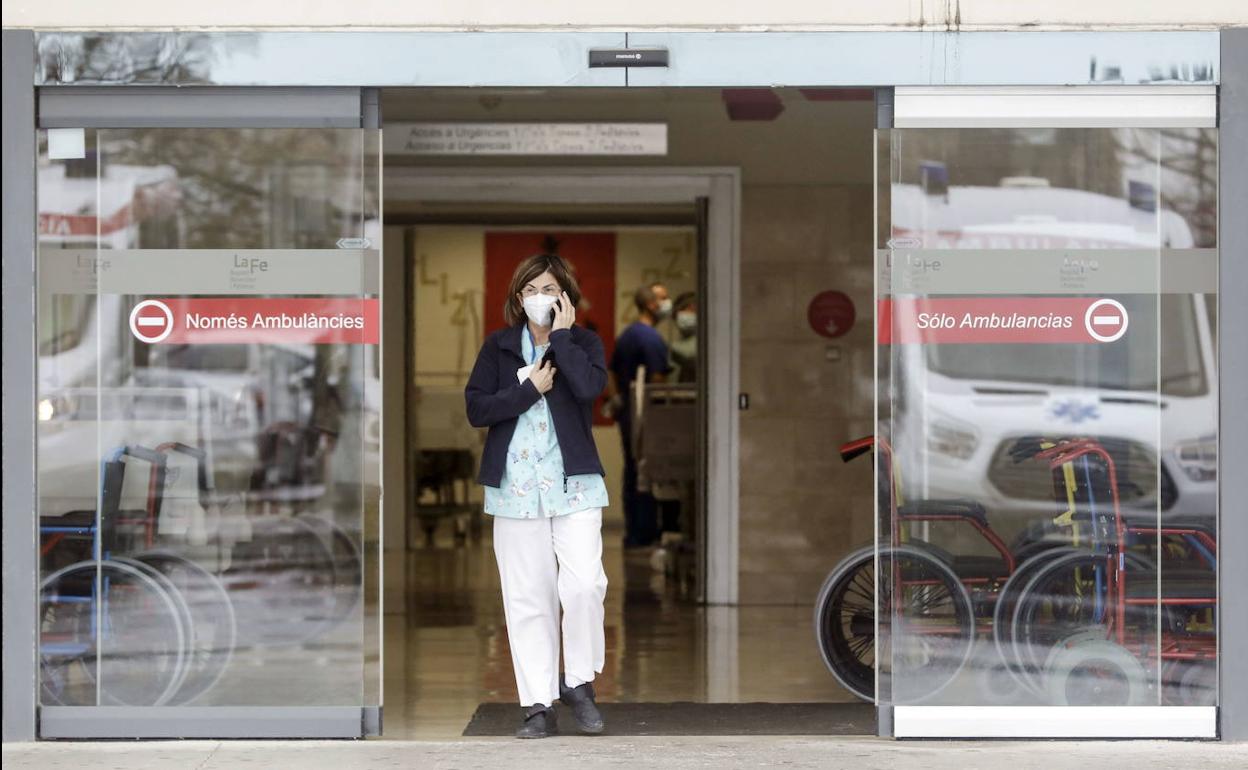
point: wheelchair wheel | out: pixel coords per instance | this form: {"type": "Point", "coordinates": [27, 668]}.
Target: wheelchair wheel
{"type": "Point", "coordinates": [281, 583]}
{"type": "Point", "coordinates": [1079, 637]}
{"type": "Point", "coordinates": [1058, 601]}
{"type": "Point", "coordinates": [926, 627]}
{"type": "Point", "coordinates": [845, 623]}
{"type": "Point", "coordinates": [1096, 672]}
{"type": "Point", "coordinates": [1003, 613]}
{"type": "Point", "coordinates": [997, 685]}
{"type": "Point", "coordinates": [348, 566]}
{"type": "Point", "coordinates": [142, 658]}
{"type": "Point", "coordinates": [214, 631]}
{"type": "Point", "coordinates": [1193, 683]}
{"type": "Point", "coordinates": [179, 602]}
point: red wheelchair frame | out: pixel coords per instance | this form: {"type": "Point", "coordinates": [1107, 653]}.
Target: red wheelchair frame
{"type": "Point", "coordinates": [1111, 539]}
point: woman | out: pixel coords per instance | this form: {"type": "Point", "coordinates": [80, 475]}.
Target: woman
{"type": "Point", "coordinates": [533, 385]}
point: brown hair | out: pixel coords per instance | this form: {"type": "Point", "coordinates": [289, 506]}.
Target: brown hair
{"type": "Point", "coordinates": [530, 268]}
{"type": "Point", "coordinates": [643, 297]}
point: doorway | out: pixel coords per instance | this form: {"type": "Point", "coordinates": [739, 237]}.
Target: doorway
{"type": "Point", "coordinates": [722, 621]}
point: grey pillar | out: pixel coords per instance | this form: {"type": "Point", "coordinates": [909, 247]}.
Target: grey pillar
{"type": "Point", "coordinates": [18, 432]}
{"type": "Point", "coordinates": [1233, 371]}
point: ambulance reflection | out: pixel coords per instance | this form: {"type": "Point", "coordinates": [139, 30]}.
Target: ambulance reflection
{"type": "Point", "coordinates": [297, 427]}
{"type": "Point", "coordinates": [265, 506]}
{"type": "Point", "coordinates": [224, 485]}
{"type": "Point", "coordinates": [1150, 398]}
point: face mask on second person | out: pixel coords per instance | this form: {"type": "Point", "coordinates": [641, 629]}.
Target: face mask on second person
{"type": "Point", "coordinates": [687, 322]}
{"type": "Point", "coordinates": [664, 309]}
{"type": "Point", "coordinates": [538, 309]}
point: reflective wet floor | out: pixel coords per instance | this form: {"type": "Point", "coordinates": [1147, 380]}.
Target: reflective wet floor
{"type": "Point", "coordinates": [447, 653]}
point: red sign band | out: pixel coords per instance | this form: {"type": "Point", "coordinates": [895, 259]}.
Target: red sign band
{"type": "Point", "coordinates": [1025, 320]}
{"type": "Point", "coordinates": [251, 320]}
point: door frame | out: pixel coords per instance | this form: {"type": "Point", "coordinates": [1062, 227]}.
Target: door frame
{"type": "Point", "coordinates": [27, 111]}
{"type": "Point", "coordinates": [721, 185]}
{"type": "Point", "coordinates": [915, 109]}
{"type": "Point", "coordinates": [556, 59]}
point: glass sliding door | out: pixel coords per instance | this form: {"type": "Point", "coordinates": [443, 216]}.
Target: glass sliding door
{"type": "Point", "coordinates": [209, 420]}
{"type": "Point", "coordinates": [1046, 431]}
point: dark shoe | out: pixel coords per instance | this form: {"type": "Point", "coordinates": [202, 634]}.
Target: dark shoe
{"type": "Point", "coordinates": [581, 700]}
{"type": "Point", "coordinates": [539, 722]}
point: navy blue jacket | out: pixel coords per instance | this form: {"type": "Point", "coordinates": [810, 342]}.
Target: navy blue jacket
{"type": "Point", "coordinates": [496, 399]}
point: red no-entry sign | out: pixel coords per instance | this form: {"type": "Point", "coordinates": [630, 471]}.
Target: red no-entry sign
{"type": "Point", "coordinates": [1105, 320]}
{"type": "Point", "coordinates": [151, 321]}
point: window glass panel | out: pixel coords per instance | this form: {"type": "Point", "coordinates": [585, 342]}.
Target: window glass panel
{"type": "Point", "coordinates": [1046, 442]}
{"type": "Point", "coordinates": [208, 418]}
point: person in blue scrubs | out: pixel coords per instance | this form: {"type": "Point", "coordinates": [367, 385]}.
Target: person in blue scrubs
{"type": "Point", "coordinates": [640, 344]}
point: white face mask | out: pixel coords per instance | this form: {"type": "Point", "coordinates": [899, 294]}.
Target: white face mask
{"type": "Point", "coordinates": [538, 308]}
{"type": "Point", "coordinates": [665, 308]}
{"type": "Point", "coordinates": [687, 322]}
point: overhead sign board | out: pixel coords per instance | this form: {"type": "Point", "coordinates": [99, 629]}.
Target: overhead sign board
{"type": "Point", "coordinates": [470, 138]}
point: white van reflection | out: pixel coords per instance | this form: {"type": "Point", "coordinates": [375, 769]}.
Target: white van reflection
{"type": "Point", "coordinates": [958, 408]}
{"type": "Point", "coordinates": [282, 543]}
{"type": "Point", "coordinates": [248, 399]}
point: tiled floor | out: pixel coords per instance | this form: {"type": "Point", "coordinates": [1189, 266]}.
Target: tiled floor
{"type": "Point", "coordinates": [448, 651]}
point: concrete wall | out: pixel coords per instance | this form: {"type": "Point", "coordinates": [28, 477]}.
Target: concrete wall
{"type": "Point", "coordinates": [802, 508]}
{"type": "Point", "coordinates": [639, 14]}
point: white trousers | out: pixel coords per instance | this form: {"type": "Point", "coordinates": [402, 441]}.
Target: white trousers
{"type": "Point", "coordinates": [544, 563]}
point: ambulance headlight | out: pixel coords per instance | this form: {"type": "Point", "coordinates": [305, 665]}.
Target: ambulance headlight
{"type": "Point", "coordinates": [952, 437]}
{"type": "Point", "coordinates": [1198, 458]}
{"type": "Point", "coordinates": [56, 408]}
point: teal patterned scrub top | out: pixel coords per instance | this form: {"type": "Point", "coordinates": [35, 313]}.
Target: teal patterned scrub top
{"type": "Point", "coordinates": [533, 483]}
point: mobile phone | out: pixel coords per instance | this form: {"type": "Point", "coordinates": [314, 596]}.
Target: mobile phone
{"type": "Point", "coordinates": [557, 306]}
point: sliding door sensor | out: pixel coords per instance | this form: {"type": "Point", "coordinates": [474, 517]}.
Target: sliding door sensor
{"type": "Point", "coordinates": [628, 57]}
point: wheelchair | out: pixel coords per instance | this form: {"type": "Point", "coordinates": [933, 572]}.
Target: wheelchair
{"type": "Point", "coordinates": [1071, 619]}
{"type": "Point", "coordinates": [151, 629]}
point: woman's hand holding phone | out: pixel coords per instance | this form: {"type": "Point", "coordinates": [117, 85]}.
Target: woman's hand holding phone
{"type": "Point", "coordinates": [565, 313]}
{"type": "Point", "coordinates": [543, 376]}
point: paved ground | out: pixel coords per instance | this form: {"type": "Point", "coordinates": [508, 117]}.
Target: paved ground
{"type": "Point", "coordinates": [666, 753]}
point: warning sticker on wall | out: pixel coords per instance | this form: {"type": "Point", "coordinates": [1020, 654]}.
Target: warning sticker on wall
{"type": "Point", "coordinates": [251, 320]}
{"type": "Point", "coordinates": [1014, 320]}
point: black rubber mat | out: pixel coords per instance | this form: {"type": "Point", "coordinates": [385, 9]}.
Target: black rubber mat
{"type": "Point", "coordinates": [696, 719]}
